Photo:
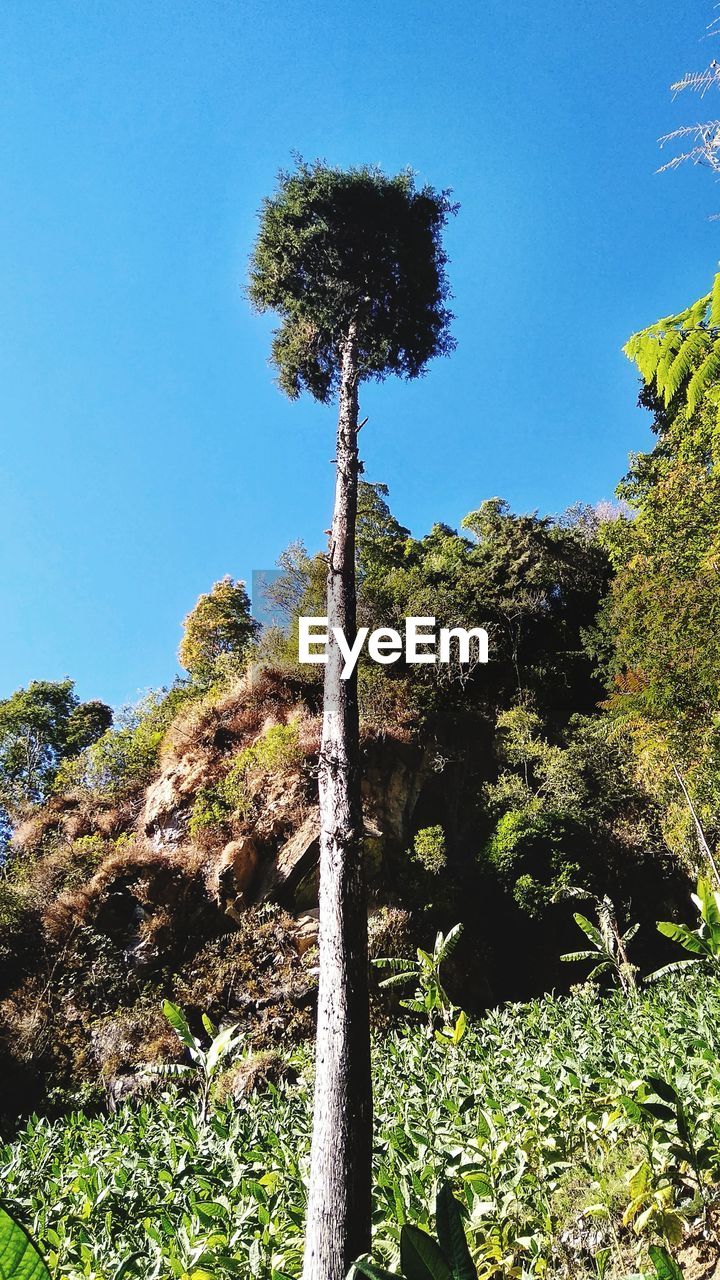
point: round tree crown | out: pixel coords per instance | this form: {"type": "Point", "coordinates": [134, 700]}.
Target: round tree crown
{"type": "Point", "coordinates": [352, 253]}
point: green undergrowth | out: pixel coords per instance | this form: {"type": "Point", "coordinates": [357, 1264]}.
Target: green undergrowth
{"type": "Point", "coordinates": [577, 1130]}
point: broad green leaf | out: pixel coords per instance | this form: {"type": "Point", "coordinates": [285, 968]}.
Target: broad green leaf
{"type": "Point", "coordinates": [220, 1047]}
{"type": "Point", "coordinates": [572, 957]}
{"type": "Point", "coordinates": [665, 1266]}
{"type": "Point", "coordinates": [588, 929]}
{"type": "Point", "coordinates": [20, 1258]}
{"type": "Point", "coordinates": [179, 1024]}
{"type": "Point", "coordinates": [366, 1267]}
{"type": "Point", "coordinates": [451, 1234]}
{"type": "Point", "coordinates": [420, 1256]}
{"type": "Point", "coordinates": [680, 933]}
{"type": "Point", "coordinates": [662, 1089]}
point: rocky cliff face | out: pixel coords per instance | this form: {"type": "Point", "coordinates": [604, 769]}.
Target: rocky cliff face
{"type": "Point", "coordinates": [201, 885]}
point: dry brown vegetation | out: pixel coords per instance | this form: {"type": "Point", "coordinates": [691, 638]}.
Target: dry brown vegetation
{"type": "Point", "coordinates": [123, 899]}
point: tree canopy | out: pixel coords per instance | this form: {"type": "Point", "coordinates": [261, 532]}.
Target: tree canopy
{"type": "Point", "coordinates": [217, 631]}
{"type": "Point", "coordinates": [40, 726]}
{"type": "Point", "coordinates": [352, 247]}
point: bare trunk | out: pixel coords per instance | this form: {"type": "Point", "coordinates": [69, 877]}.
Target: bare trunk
{"type": "Point", "coordinates": [338, 1220]}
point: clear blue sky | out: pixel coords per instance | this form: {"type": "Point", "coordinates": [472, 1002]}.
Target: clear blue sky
{"type": "Point", "coordinates": [145, 450]}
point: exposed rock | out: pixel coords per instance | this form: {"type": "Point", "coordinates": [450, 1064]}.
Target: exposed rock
{"type": "Point", "coordinates": [168, 800]}
{"type": "Point", "coordinates": [392, 782]}
{"type": "Point", "coordinates": [235, 873]}
{"type": "Point", "coordinates": [294, 861]}
{"type": "Point", "coordinates": [305, 934]}
{"type": "Point", "coordinates": [254, 1074]}
{"type": "Point", "coordinates": [125, 1088]}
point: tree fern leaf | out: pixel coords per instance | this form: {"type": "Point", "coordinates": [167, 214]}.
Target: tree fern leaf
{"type": "Point", "coordinates": [714, 316]}
{"type": "Point", "coordinates": [703, 377]}
{"type": "Point", "coordinates": [696, 343]}
{"type": "Point", "coordinates": [669, 347]}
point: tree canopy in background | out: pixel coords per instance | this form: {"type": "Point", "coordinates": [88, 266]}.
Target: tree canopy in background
{"type": "Point", "coordinates": [41, 726]}
{"type": "Point", "coordinates": [217, 632]}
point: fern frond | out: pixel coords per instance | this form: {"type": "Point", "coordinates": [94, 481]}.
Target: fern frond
{"type": "Point", "coordinates": [714, 316]}
{"type": "Point", "coordinates": [698, 81]}
{"type": "Point", "coordinates": [669, 348]}
{"type": "Point", "coordinates": [704, 377]}
{"type": "Point", "coordinates": [679, 372]}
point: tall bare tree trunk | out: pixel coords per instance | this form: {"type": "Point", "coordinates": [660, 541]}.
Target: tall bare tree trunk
{"type": "Point", "coordinates": [338, 1221]}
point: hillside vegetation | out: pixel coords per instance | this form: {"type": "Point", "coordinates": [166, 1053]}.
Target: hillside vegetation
{"type": "Point", "coordinates": [169, 852]}
{"type": "Point", "coordinates": [175, 853]}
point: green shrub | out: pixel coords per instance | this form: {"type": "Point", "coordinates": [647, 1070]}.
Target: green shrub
{"type": "Point", "coordinates": [125, 757]}
{"type": "Point", "coordinates": [278, 748]}
{"type": "Point", "coordinates": [429, 849]}
{"type": "Point", "coordinates": [14, 917]}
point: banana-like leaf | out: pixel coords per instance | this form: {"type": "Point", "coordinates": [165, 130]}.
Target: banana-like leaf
{"type": "Point", "coordinates": [451, 1235]}
{"type": "Point", "coordinates": [179, 1024]}
{"type": "Point", "coordinates": [680, 933]}
{"type": "Point", "coordinates": [571, 957]}
{"type": "Point", "coordinates": [398, 979]}
{"type": "Point", "coordinates": [588, 929]}
{"type": "Point", "coordinates": [420, 1257]}
{"type": "Point", "coordinates": [169, 1069]}
{"type": "Point", "coordinates": [393, 962]}
{"type": "Point", "coordinates": [677, 966]}
{"type": "Point", "coordinates": [366, 1267]}
{"type": "Point", "coordinates": [220, 1047]}
{"type": "Point", "coordinates": [20, 1259]}
{"type": "Point", "coordinates": [666, 1267]}
{"type": "Point", "coordinates": [444, 947]}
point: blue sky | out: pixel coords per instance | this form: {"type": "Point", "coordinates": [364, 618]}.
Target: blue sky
{"type": "Point", "coordinates": [145, 449]}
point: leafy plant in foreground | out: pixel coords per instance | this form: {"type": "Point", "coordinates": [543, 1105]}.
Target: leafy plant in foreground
{"type": "Point", "coordinates": [703, 942]}
{"type": "Point", "coordinates": [664, 1267]}
{"type": "Point", "coordinates": [205, 1063]}
{"type": "Point", "coordinates": [431, 998]}
{"type": "Point", "coordinates": [609, 945]}
{"type": "Point", "coordinates": [19, 1257]}
{"type": "Point", "coordinates": [422, 1257]}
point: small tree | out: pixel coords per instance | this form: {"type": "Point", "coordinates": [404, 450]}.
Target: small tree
{"type": "Point", "coordinates": [352, 262]}
{"type": "Point", "coordinates": [609, 945]}
{"type": "Point", "coordinates": [217, 632]}
{"type": "Point", "coordinates": [41, 726]}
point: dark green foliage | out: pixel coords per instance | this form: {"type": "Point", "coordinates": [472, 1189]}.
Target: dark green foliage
{"type": "Point", "coordinates": [339, 248]}
{"type": "Point", "coordinates": [531, 787]}
{"type": "Point", "coordinates": [380, 540]}
{"type": "Point", "coordinates": [451, 1234]}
